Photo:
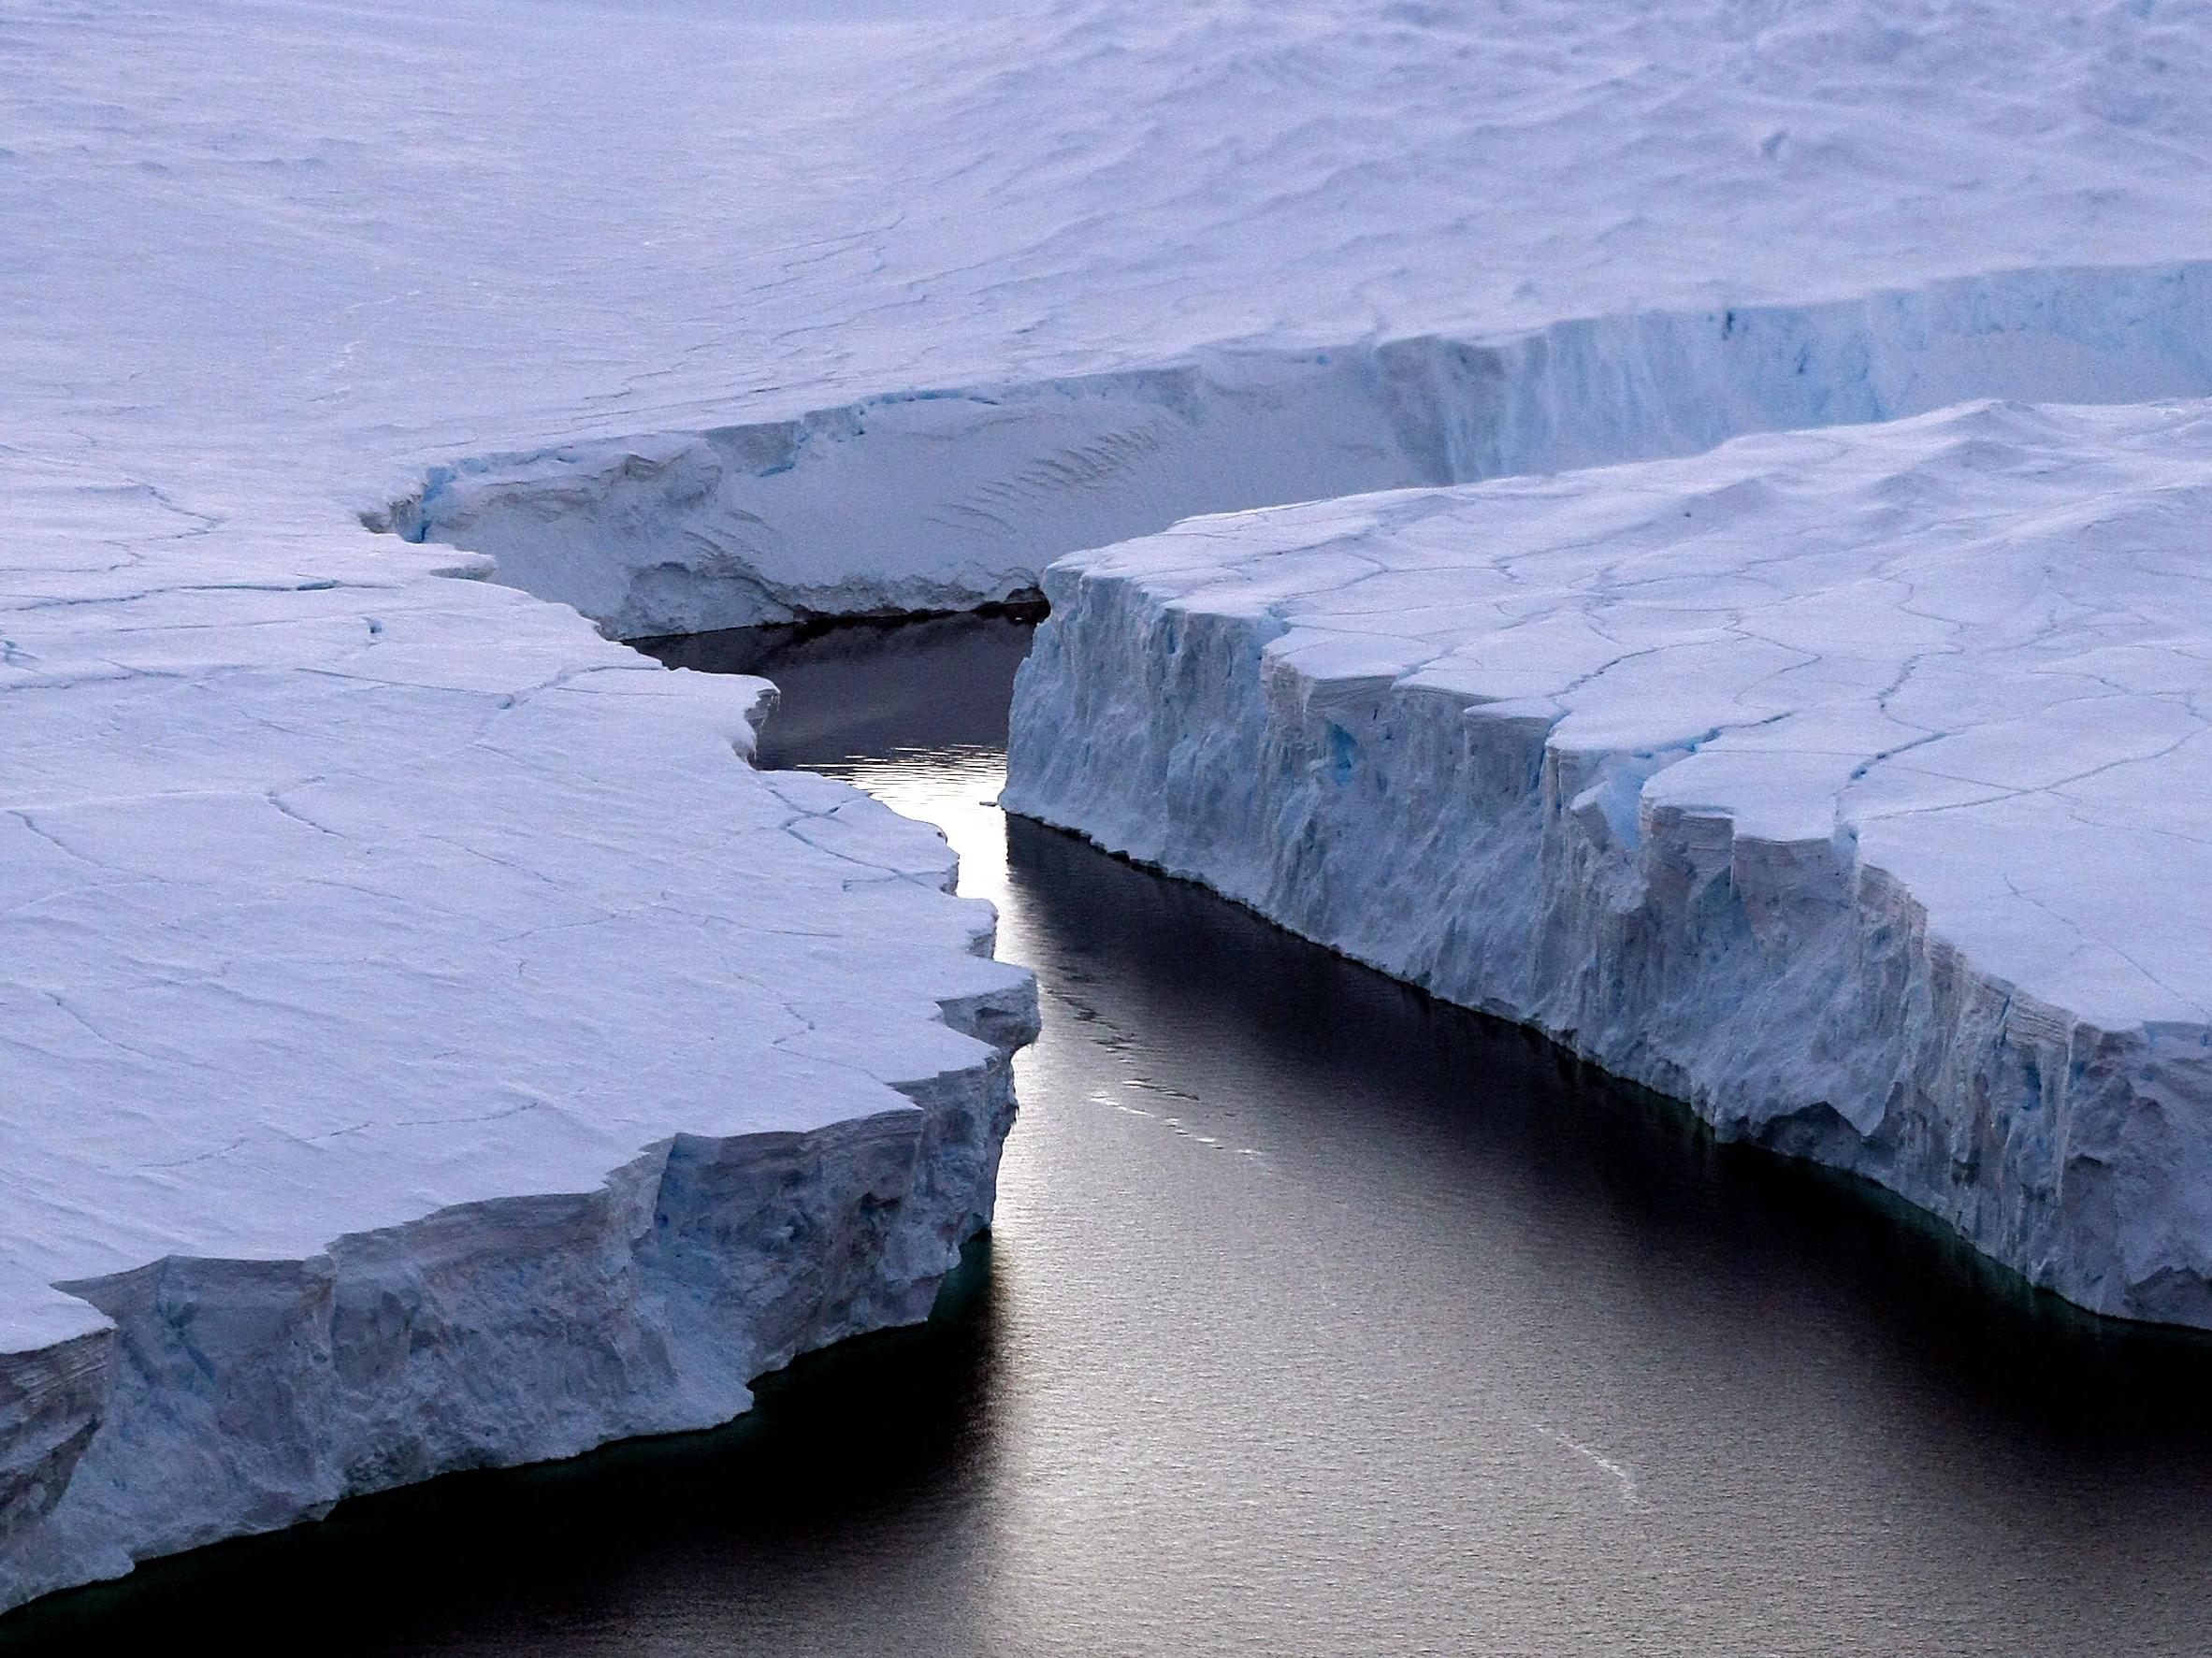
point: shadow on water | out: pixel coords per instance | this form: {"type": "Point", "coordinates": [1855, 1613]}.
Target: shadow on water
{"type": "Point", "coordinates": [846, 1452]}
{"type": "Point", "coordinates": [869, 688]}
{"type": "Point", "coordinates": [1438, 1082]}
{"type": "Point", "coordinates": [1321, 1317]}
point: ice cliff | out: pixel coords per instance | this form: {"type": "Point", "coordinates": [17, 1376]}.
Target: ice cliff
{"type": "Point", "coordinates": [953, 498]}
{"type": "Point", "coordinates": [1851, 786]}
{"type": "Point", "coordinates": [424, 1042]}
{"type": "Point", "coordinates": [508, 1066]}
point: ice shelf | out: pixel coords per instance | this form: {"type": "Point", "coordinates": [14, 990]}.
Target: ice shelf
{"type": "Point", "coordinates": [430, 1044]}
{"type": "Point", "coordinates": [1853, 786]}
{"type": "Point", "coordinates": [422, 1038]}
{"type": "Point", "coordinates": [985, 484]}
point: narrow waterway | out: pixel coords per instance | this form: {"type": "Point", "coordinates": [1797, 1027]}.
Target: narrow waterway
{"type": "Point", "coordinates": [1319, 1318]}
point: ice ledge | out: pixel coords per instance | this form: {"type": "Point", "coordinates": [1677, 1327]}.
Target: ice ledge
{"type": "Point", "coordinates": [1852, 786]}
{"type": "Point", "coordinates": [955, 497]}
{"type": "Point", "coordinates": [429, 1043]}
{"type": "Point", "coordinates": [193, 1398]}
{"type": "Point", "coordinates": [234, 1396]}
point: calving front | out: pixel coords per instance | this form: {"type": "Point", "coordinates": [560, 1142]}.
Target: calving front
{"type": "Point", "coordinates": [1854, 787]}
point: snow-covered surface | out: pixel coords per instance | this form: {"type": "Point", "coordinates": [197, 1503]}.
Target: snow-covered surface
{"type": "Point", "coordinates": [335, 892]}
{"type": "Point", "coordinates": [427, 1042]}
{"type": "Point", "coordinates": [956, 498]}
{"type": "Point", "coordinates": [1099, 266]}
{"type": "Point", "coordinates": [633, 293]}
{"type": "Point", "coordinates": [1855, 786]}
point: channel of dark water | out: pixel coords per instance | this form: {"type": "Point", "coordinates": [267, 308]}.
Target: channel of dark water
{"type": "Point", "coordinates": [1319, 1318]}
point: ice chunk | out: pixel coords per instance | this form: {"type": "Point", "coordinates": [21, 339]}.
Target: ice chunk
{"type": "Point", "coordinates": [1877, 833]}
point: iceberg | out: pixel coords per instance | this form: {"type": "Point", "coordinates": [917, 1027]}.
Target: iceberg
{"type": "Point", "coordinates": [771, 522]}
{"type": "Point", "coordinates": [1851, 786]}
{"type": "Point", "coordinates": [424, 1041]}
{"type": "Point", "coordinates": [429, 1043]}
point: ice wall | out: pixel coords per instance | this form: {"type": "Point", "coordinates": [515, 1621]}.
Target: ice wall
{"type": "Point", "coordinates": [233, 1396]}
{"type": "Point", "coordinates": [1849, 787]}
{"type": "Point", "coordinates": [427, 1042]}
{"type": "Point", "coordinates": [948, 499]}
{"type": "Point", "coordinates": [376, 940]}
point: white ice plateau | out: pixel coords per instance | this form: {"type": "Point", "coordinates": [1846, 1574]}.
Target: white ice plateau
{"type": "Point", "coordinates": [1853, 786]}
{"type": "Point", "coordinates": [424, 1041]}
